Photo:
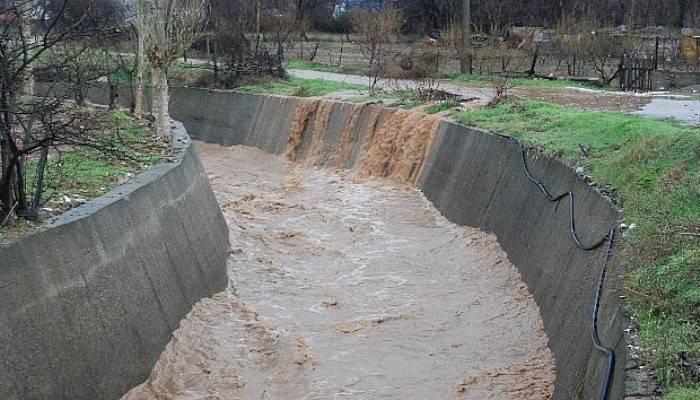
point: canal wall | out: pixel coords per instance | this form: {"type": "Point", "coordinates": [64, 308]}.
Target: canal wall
{"type": "Point", "coordinates": [474, 178]}
{"type": "Point", "coordinates": [88, 304]}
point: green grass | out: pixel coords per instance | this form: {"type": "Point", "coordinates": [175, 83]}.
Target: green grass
{"type": "Point", "coordinates": [667, 304]}
{"type": "Point", "coordinates": [89, 173]}
{"type": "Point", "coordinates": [653, 169]}
{"type": "Point", "coordinates": [314, 66]}
{"type": "Point", "coordinates": [86, 173]}
{"type": "Point", "coordinates": [441, 106]}
{"type": "Point", "coordinates": [483, 80]}
{"type": "Point", "coordinates": [683, 394]}
{"type": "Point", "coordinates": [298, 86]}
{"type": "Point", "coordinates": [122, 77]}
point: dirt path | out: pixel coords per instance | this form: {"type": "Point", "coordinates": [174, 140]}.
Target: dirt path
{"type": "Point", "coordinates": [347, 288]}
{"type": "Point", "coordinates": [681, 108]}
{"type": "Point", "coordinates": [480, 95]}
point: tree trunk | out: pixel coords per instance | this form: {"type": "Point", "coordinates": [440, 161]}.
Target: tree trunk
{"type": "Point", "coordinates": [258, 14]}
{"type": "Point", "coordinates": [161, 96]}
{"type": "Point", "coordinates": [28, 75]}
{"type": "Point", "coordinates": [683, 14]}
{"type": "Point", "coordinates": [138, 79]}
{"type": "Point", "coordinates": [466, 59]}
{"type": "Point", "coordinates": [208, 49]}
{"type": "Point", "coordinates": [7, 200]}
{"type": "Point", "coordinates": [533, 65]}
{"type": "Point", "coordinates": [37, 201]}
{"type": "Point", "coordinates": [21, 187]}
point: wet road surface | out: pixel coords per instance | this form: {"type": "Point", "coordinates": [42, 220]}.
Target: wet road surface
{"type": "Point", "coordinates": [350, 288]}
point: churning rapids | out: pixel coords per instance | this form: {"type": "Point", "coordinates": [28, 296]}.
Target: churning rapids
{"type": "Point", "coordinates": [344, 287]}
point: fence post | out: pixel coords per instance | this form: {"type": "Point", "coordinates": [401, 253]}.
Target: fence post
{"type": "Point", "coordinates": [656, 54]}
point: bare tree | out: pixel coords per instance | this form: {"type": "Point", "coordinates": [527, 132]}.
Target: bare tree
{"type": "Point", "coordinates": [302, 8]}
{"type": "Point", "coordinates": [169, 28]}
{"type": "Point", "coordinates": [376, 28]}
{"type": "Point", "coordinates": [34, 44]}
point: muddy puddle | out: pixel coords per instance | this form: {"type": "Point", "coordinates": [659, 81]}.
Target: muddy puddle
{"type": "Point", "coordinates": [350, 288]}
{"type": "Point", "coordinates": [686, 111]}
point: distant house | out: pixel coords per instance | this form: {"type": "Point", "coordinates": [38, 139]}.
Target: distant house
{"type": "Point", "coordinates": [349, 5]}
{"type": "Point", "coordinates": [362, 4]}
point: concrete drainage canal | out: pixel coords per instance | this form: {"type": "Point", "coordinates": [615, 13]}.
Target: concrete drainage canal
{"type": "Point", "coordinates": [345, 287]}
{"type": "Point", "coordinates": [381, 254]}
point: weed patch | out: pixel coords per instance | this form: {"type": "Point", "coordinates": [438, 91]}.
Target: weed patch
{"type": "Point", "coordinates": [442, 106]}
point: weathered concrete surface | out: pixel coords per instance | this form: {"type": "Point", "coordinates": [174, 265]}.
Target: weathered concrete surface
{"type": "Point", "coordinates": [476, 179]}
{"type": "Point", "coordinates": [87, 306]}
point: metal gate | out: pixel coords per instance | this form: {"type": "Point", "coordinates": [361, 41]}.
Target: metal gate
{"type": "Point", "coordinates": [636, 74]}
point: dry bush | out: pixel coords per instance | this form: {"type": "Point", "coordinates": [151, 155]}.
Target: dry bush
{"type": "Point", "coordinates": [420, 63]}
{"type": "Point", "coordinates": [501, 88]}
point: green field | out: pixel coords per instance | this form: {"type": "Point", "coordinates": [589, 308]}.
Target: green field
{"type": "Point", "coordinates": [653, 169]}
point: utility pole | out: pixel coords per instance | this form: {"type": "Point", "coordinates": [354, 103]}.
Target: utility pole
{"type": "Point", "coordinates": [258, 12]}
{"type": "Point", "coordinates": [466, 59]}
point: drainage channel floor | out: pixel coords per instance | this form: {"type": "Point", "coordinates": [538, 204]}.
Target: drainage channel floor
{"type": "Point", "coordinates": [350, 288]}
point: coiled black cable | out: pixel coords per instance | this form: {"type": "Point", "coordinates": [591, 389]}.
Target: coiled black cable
{"type": "Point", "coordinates": [610, 237]}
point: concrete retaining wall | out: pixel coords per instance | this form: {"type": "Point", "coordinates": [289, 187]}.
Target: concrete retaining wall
{"type": "Point", "coordinates": [476, 179]}
{"type": "Point", "coordinates": [88, 305]}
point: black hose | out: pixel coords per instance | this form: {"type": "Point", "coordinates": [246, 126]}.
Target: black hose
{"type": "Point", "coordinates": [570, 195]}
{"type": "Point", "coordinates": [610, 237]}
{"type": "Point", "coordinates": [609, 353]}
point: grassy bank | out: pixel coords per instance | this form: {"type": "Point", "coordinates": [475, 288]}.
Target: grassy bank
{"type": "Point", "coordinates": [653, 169]}
{"type": "Point", "coordinates": [299, 87]}
{"type": "Point", "coordinates": [76, 175]}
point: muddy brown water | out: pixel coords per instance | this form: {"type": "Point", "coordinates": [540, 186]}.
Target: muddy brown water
{"type": "Point", "coordinates": [348, 287]}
